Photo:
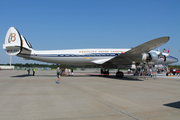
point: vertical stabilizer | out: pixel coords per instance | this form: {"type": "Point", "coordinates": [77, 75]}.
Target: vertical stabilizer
{"type": "Point", "coordinates": [13, 42]}
{"type": "Point", "coordinates": [25, 43]}
{"type": "Point", "coordinates": [26, 47]}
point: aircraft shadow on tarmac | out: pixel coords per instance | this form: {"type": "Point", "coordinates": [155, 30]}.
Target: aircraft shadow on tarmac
{"type": "Point", "coordinates": [110, 77]}
{"type": "Point", "coordinates": [174, 105]}
{"type": "Point", "coordinates": [24, 75]}
{"type": "Point", "coordinates": [117, 78]}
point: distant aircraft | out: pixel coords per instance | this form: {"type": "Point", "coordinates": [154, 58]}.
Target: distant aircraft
{"type": "Point", "coordinates": [16, 44]}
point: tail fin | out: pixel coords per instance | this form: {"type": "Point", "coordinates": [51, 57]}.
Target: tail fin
{"type": "Point", "coordinates": [25, 43]}
{"type": "Point", "coordinates": [15, 43]}
{"type": "Point", "coordinates": [26, 46]}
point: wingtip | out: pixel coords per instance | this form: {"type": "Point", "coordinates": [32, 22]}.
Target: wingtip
{"type": "Point", "coordinates": [167, 37]}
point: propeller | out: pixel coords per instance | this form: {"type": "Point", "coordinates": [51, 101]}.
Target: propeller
{"type": "Point", "coordinates": [169, 50]}
{"type": "Point", "coordinates": [161, 55]}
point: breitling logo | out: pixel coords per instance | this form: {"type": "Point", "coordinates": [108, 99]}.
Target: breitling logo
{"type": "Point", "coordinates": [12, 37]}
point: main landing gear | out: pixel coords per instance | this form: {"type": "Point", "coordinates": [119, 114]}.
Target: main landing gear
{"type": "Point", "coordinates": [119, 74]}
{"type": "Point", "coordinates": [106, 73]}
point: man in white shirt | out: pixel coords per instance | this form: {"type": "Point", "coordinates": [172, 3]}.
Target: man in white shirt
{"type": "Point", "coordinates": [58, 75]}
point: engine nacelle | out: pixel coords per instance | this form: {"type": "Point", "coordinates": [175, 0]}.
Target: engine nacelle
{"type": "Point", "coordinates": [150, 57]}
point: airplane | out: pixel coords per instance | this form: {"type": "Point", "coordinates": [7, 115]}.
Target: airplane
{"type": "Point", "coordinates": [16, 44]}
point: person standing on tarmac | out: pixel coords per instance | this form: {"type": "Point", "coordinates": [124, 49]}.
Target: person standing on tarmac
{"type": "Point", "coordinates": [33, 71]}
{"type": "Point", "coordinates": [71, 71]}
{"type": "Point", "coordinates": [58, 75]}
{"type": "Point", "coordinates": [66, 71]}
{"type": "Point", "coordinates": [28, 71]}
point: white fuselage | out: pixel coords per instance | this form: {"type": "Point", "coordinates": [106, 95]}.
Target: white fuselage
{"type": "Point", "coordinates": [76, 56]}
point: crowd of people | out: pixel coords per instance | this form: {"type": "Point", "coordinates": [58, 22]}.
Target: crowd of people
{"type": "Point", "coordinates": [66, 71]}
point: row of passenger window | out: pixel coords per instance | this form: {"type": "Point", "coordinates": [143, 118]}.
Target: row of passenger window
{"type": "Point", "coordinates": [91, 55]}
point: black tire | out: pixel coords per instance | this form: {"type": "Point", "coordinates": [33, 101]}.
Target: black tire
{"type": "Point", "coordinates": [166, 74]}
{"type": "Point", "coordinates": [120, 74]}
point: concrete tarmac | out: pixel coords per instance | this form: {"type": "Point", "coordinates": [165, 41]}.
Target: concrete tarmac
{"type": "Point", "coordinates": [86, 97]}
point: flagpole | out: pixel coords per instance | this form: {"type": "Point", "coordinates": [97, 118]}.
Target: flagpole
{"type": "Point", "coordinates": [10, 60]}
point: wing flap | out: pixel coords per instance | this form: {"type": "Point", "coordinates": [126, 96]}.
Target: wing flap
{"type": "Point", "coordinates": [101, 61]}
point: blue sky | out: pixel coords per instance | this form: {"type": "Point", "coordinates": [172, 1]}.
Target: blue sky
{"type": "Point", "coordinates": [76, 24]}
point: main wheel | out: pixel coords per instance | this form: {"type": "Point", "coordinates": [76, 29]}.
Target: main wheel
{"type": "Point", "coordinates": [167, 74]}
{"type": "Point", "coordinates": [120, 74]}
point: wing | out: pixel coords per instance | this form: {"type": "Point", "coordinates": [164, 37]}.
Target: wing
{"type": "Point", "coordinates": [135, 54]}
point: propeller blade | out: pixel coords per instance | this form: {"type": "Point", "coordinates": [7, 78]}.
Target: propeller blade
{"type": "Point", "coordinates": [169, 50]}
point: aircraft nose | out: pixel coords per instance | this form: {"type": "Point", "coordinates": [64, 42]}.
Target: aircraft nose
{"type": "Point", "coordinates": [173, 59]}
